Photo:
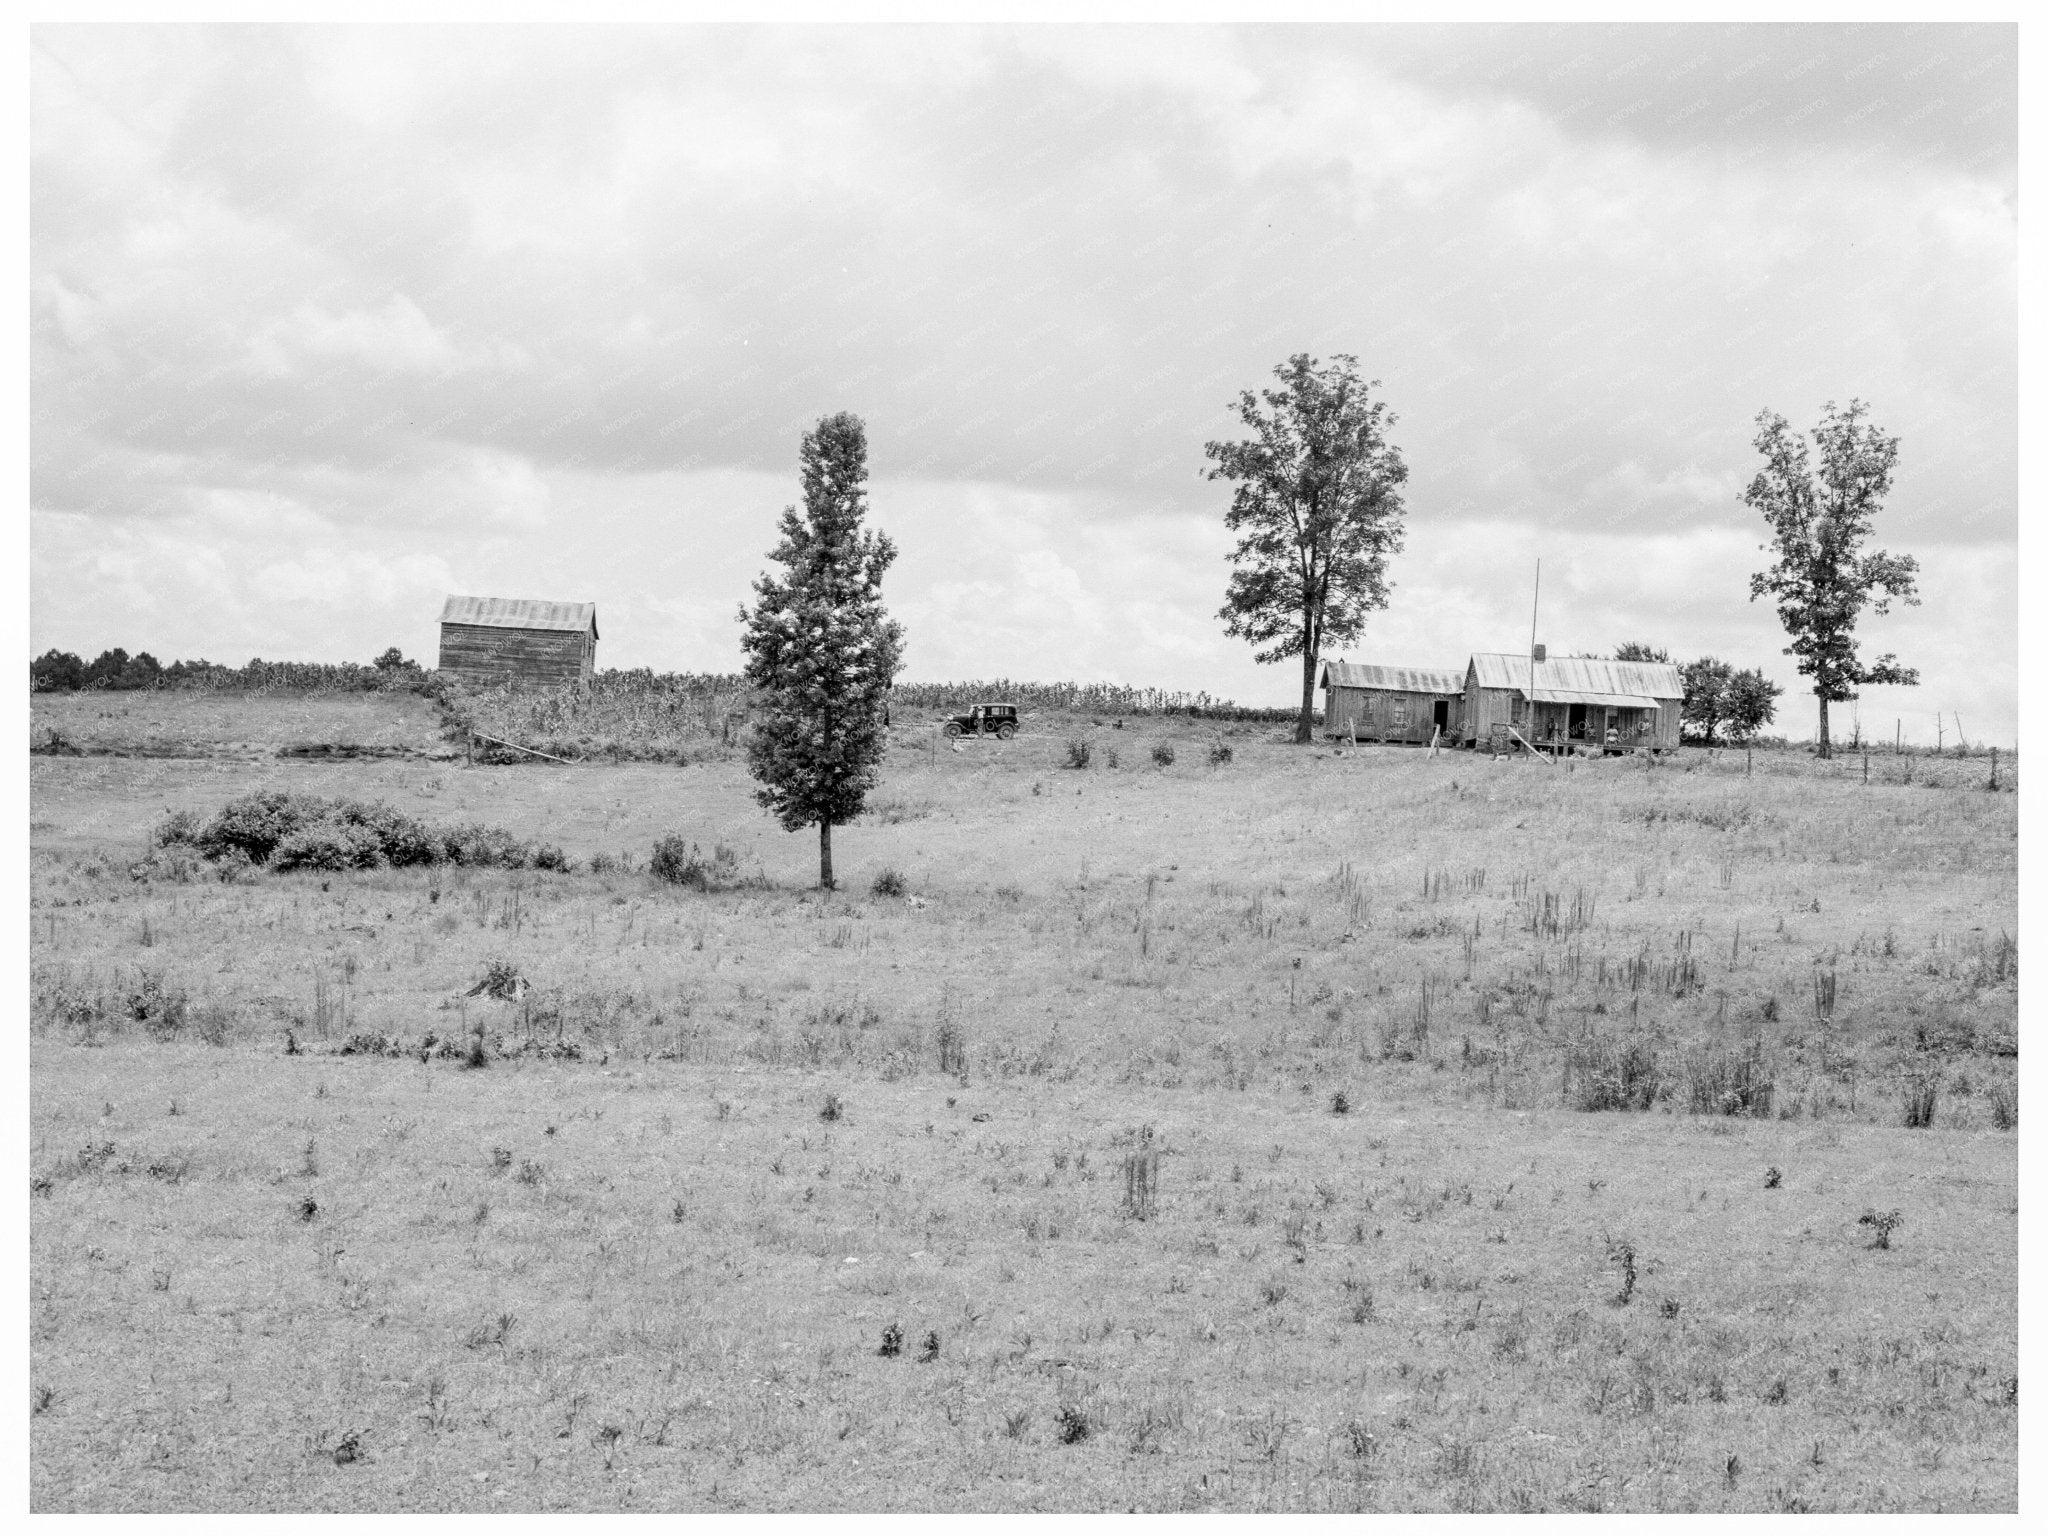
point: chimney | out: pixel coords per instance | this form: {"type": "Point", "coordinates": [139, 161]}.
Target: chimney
{"type": "Point", "coordinates": [1536, 653]}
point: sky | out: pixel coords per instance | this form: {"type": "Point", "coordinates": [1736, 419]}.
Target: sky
{"type": "Point", "coordinates": [327, 323]}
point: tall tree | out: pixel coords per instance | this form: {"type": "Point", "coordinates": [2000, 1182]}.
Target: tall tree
{"type": "Point", "coordinates": [821, 648]}
{"type": "Point", "coordinates": [1637, 650]}
{"type": "Point", "coordinates": [1820, 521]}
{"type": "Point", "coordinates": [1318, 508]}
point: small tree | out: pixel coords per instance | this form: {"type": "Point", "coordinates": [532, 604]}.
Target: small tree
{"type": "Point", "coordinates": [1636, 650]}
{"type": "Point", "coordinates": [1749, 703]}
{"type": "Point", "coordinates": [820, 647]}
{"type": "Point", "coordinates": [1819, 522]}
{"type": "Point", "coordinates": [1706, 696]}
{"type": "Point", "coordinates": [392, 660]}
{"type": "Point", "coordinates": [1318, 507]}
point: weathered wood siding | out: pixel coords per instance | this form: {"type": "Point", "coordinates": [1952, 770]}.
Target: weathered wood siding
{"type": "Point", "coordinates": [1483, 708]}
{"type": "Point", "coordinates": [489, 654]}
{"type": "Point", "coordinates": [1389, 714]}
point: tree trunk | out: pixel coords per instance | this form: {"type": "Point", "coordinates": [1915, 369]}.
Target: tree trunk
{"type": "Point", "coordinates": [1305, 727]}
{"type": "Point", "coordinates": [825, 855]}
{"type": "Point", "coordinates": [1825, 750]}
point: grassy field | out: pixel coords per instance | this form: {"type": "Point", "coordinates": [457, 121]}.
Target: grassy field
{"type": "Point", "coordinates": [1212, 1128]}
{"type": "Point", "coordinates": [228, 723]}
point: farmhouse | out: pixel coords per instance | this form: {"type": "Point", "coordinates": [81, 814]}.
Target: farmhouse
{"type": "Point", "coordinates": [1383, 703]}
{"type": "Point", "coordinates": [492, 640]}
{"type": "Point", "coordinates": [1567, 700]}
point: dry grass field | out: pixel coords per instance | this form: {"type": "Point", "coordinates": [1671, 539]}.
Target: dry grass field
{"type": "Point", "coordinates": [1206, 1135]}
{"type": "Point", "coordinates": [174, 723]}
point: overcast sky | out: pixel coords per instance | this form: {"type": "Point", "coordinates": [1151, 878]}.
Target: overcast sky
{"type": "Point", "coordinates": [329, 323]}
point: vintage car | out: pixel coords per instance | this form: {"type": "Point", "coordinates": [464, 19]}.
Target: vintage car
{"type": "Point", "coordinates": [985, 720]}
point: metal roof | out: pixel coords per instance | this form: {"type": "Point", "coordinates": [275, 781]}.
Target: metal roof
{"type": "Point", "coordinates": [519, 613]}
{"type": "Point", "coordinates": [1359, 674]}
{"type": "Point", "coordinates": [1580, 675]}
{"type": "Point", "coordinates": [1620, 700]}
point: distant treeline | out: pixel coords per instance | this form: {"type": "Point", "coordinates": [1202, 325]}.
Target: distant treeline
{"type": "Point", "coordinates": [62, 672]}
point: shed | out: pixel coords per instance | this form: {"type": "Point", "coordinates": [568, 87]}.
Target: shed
{"type": "Point", "coordinates": [518, 640]}
{"type": "Point", "coordinates": [1568, 701]}
{"type": "Point", "coordinates": [1384, 703]}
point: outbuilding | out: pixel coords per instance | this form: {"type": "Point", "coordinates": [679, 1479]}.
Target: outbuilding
{"type": "Point", "coordinates": [1384, 703]}
{"type": "Point", "coordinates": [487, 641]}
{"type": "Point", "coordinates": [1584, 702]}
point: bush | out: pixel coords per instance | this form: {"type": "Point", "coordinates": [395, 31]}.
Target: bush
{"type": "Point", "coordinates": [180, 827]}
{"type": "Point", "coordinates": [177, 862]}
{"type": "Point", "coordinates": [1220, 754]}
{"type": "Point", "coordinates": [159, 1009]}
{"type": "Point", "coordinates": [1078, 751]}
{"type": "Point", "coordinates": [256, 824]}
{"type": "Point", "coordinates": [1603, 1073]}
{"type": "Point", "coordinates": [678, 862]}
{"type": "Point", "coordinates": [477, 846]}
{"type": "Point", "coordinates": [330, 845]}
{"type": "Point", "coordinates": [888, 883]}
{"type": "Point", "coordinates": [401, 839]}
{"type": "Point", "coordinates": [1162, 754]}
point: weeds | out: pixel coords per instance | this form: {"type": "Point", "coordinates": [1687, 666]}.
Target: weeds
{"type": "Point", "coordinates": [1141, 1180]}
{"type": "Point", "coordinates": [1882, 1225]}
{"type": "Point", "coordinates": [832, 1109]}
{"type": "Point", "coordinates": [1602, 1073]}
{"type": "Point", "coordinates": [892, 1341]}
{"type": "Point", "coordinates": [1773, 1178]}
{"type": "Point", "coordinates": [1622, 1255]}
{"type": "Point", "coordinates": [888, 883]}
{"type": "Point", "coordinates": [1162, 754]}
{"type": "Point", "coordinates": [1918, 1109]}
{"type": "Point", "coordinates": [1723, 1082]}
{"type": "Point", "coordinates": [1074, 1427]}
{"type": "Point", "coordinates": [1079, 751]}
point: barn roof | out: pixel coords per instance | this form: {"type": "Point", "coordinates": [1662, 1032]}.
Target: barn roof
{"type": "Point", "coordinates": [1359, 674]}
{"type": "Point", "coordinates": [1576, 679]}
{"type": "Point", "coordinates": [519, 613]}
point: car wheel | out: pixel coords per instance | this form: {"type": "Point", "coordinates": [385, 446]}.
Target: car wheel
{"type": "Point", "coordinates": [953, 728]}
{"type": "Point", "coordinates": [1005, 732]}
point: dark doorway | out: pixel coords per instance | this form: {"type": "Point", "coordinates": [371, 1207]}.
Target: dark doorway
{"type": "Point", "coordinates": [1440, 715]}
{"type": "Point", "coordinates": [1575, 725]}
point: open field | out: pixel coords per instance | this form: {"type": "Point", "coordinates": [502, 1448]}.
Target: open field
{"type": "Point", "coordinates": [1164, 1271]}
{"type": "Point", "coordinates": [225, 723]}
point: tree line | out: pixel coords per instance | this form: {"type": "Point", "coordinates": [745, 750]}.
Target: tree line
{"type": "Point", "coordinates": [115, 670]}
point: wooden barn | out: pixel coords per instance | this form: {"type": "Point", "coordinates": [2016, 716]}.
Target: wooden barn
{"type": "Point", "coordinates": [1572, 702]}
{"type": "Point", "coordinates": [492, 640]}
{"type": "Point", "coordinates": [1380, 703]}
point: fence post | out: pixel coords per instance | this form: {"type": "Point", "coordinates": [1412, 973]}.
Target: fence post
{"type": "Point", "coordinates": [1748, 760]}
{"type": "Point", "coordinates": [1994, 769]}
{"type": "Point", "coordinates": [1866, 766]}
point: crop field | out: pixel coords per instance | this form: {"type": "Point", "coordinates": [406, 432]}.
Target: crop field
{"type": "Point", "coordinates": [1291, 1130]}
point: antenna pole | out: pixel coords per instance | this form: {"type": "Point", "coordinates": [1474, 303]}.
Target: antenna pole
{"type": "Point", "coordinates": [1533, 602]}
